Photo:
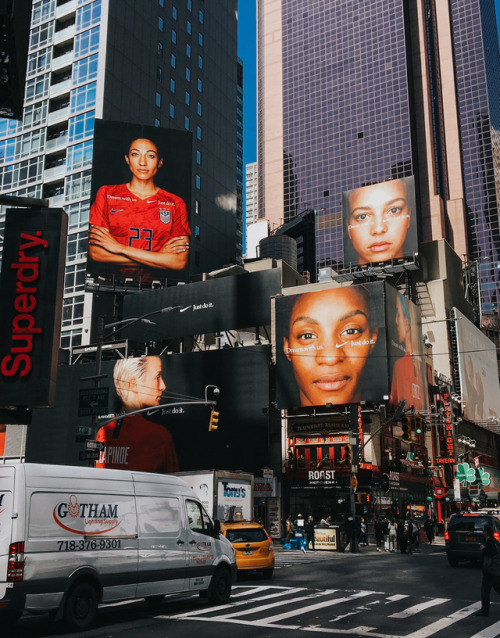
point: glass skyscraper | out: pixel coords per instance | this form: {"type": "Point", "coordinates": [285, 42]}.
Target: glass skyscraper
{"type": "Point", "coordinates": [161, 63]}
{"type": "Point", "coordinates": [353, 93]}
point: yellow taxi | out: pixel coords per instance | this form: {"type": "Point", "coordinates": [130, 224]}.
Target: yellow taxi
{"type": "Point", "coordinates": [252, 545]}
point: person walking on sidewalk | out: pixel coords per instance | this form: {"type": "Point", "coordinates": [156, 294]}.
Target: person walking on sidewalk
{"type": "Point", "coordinates": [490, 548]}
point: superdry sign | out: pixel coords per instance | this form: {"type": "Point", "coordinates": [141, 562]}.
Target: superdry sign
{"type": "Point", "coordinates": [31, 288]}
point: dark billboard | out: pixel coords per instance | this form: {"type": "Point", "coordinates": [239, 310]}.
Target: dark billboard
{"type": "Point", "coordinates": [139, 228]}
{"type": "Point", "coordinates": [331, 346]}
{"type": "Point", "coordinates": [226, 303]}
{"type": "Point", "coordinates": [379, 222]}
{"type": "Point", "coordinates": [31, 289]}
{"type": "Point", "coordinates": [168, 438]}
{"type": "Point", "coordinates": [405, 351]}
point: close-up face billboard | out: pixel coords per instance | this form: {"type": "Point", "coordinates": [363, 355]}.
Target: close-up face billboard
{"type": "Point", "coordinates": [169, 438]}
{"type": "Point", "coordinates": [478, 368]}
{"type": "Point", "coordinates": [330, 347]}
{"type": "Point", "coordinates": [405, 351]}
{"type": "Point", "coordinates": [379, 222]}
{"type": "Point", "coordinates": [139, 228]}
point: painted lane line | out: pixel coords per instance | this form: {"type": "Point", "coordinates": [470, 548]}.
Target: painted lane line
{"type": "Point", "coordinates": [416, 609]}
{"type": "Point", "coordinates": [489, 632]}
{"type": "Point", "coordinates": [445, 622]}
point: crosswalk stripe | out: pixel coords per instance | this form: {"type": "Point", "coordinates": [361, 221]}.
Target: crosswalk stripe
{"type": "Point", "coordinates": [416, 609]}
{"type": "Point", "coordinates": [445, 622]}
{"type": "Point", "coordinates": [253, 610]}
{"type": "Point", "coordinates": [489, 632]}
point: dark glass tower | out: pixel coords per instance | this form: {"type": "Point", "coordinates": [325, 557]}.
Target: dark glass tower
{"type": "Point", "coordinates": [372, 91]}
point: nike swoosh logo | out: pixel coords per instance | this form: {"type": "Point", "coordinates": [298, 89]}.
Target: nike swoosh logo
{"type": "Point", "coordinates": [339, 345]}
{"type": "Point", "coordinates": [117, 210]}
{"type": "Point", "coordinates": [151, 412]}
{"type": "Point", "coordinates": [150, 202]}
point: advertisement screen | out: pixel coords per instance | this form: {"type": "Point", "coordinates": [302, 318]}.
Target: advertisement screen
{"type": "Point", "coordinates": [139, 230]}
{"type": "Point", "coordinates": [331, 346]}
{"type": "Point", "coordinates": [31, 289]}
{"type": "Point", "coordinates": [167, 439]}
{"type": "Point", "coordinates": [478, 369]}
{"type": "Point", "coordinates": [408, 373]}
{"type": "Point", "coordinates": [379, 222]}
{"type": "Point", "coordinates": [226, 303]}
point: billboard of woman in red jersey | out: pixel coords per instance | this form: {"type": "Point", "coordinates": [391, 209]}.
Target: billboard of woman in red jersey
{"type": "Point", "coordinates": [139, 230]}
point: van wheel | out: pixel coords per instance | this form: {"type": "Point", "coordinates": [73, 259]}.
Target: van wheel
{"type": "Point", "coordinates": [267, 573]}
{"type": "Point", "coordinates": [80, 610]}
{"type": "Point", "coordinates": [220, 587]}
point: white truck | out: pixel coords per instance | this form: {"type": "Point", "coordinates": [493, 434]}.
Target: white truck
{"type": "Point", "coordinates": [73, 537]}
{"type": "Point", "coordinates": [222, 493]}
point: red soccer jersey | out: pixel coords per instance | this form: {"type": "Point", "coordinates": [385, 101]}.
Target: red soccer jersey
{"type": "Point", "coordinates": [140, 223]}
{"type": "Point", "coordinates": [134, 443]}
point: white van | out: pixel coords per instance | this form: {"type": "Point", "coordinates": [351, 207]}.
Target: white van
{"type": "Point", "coordinates": [73, 537]}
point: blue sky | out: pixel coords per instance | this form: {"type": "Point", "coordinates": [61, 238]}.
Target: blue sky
{"type": "Point", "coordinates": [247, 52]}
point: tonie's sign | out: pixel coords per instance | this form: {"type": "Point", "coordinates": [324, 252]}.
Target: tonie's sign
{"type": "Point", "coordinates": [31, 289]}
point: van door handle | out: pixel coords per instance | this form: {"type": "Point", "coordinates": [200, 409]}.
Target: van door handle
{"type": "Point", "coordinates": [179, 542]}
{"type": "Point", "coordinates": [192, 542]}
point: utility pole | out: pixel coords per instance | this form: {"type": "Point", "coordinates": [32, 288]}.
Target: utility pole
{"type": "Point", "coordinates": [354, 443]}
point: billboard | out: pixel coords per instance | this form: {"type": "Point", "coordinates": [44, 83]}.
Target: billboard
{"type": "Point", "coordinates": [31, 289]}
{"type": "Point", "coordinates": [379, 222]}
{"type": "Point", "coordinates": [170, 438]}
{"type": "Point", "coordinates": [139, 229]}
{"type": "Point", "coordinates": [405, 350]}
{"type": "Point", "coordinates": [478, 369]}
{"type": "Point", "coordinates": [331, 346]}
{"type": "Point", "coordinates": [226, 303]}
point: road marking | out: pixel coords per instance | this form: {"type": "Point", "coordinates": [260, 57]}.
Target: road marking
{"type": "Point", "coordinates": [396, 597]}
{"type": "Point", "coordinates": [445, 622]}
{"type": "Point", "coordinates": [489, 632]}
{"type": "Point", "coordinates": [416, 609]}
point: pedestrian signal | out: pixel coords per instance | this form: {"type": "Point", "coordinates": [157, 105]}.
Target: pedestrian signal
{"type": "Point", "coordinates": [362, 498]}
{"type": "Point", "coordinates": [214, 420]}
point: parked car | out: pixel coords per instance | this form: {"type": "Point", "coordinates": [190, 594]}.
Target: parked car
{"type": "Point", "coordinates": [252, 545]}
{"type": "Point", "coordinates": [464, 535]}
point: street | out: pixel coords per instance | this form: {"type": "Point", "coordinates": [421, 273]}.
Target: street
{"type": "Point", "coordinates": [381, 595]}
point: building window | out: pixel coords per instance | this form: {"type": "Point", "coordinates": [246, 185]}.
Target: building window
{"type": "Point", "coordinates": [188, 98]}
{"type": "Point", "coordinates": [158, 100]}
{"type": "Point", "coordinates": [85, 70]}
{"type": "Point", "coordinates": [199, 109]}
{"type": "Point", "coordinates": [161, 3]}
{"type": "Point", "coordinates": [160, 24]}
{"type": "Point", "coordinates": [172, 110]}
{"type": "Point", "coordinates": [83, 97]}
{"type": "Point", "coordinates": [174, 36]}
{"type": "Point", "coordinates": [202, 17]}
{"type": "Point", "coordinates": [81, 126]}
{"type": "Point", "coordinates": [198, 157]}
{"type": "Point", "coordinates": [189, 27]}
{"type": "Point", "coordinates": [160, 49]}
{"type": "Point", "coordinates": [172, 85]}
{"type": "Point", "coordinates": [188, 74]}
{"type": "Point", "coordinates": [200, 86]}
{"type": "Point", "coordinates": [159, 74]}
{"type": "Point", "coordinates": [157, 122]}
{"type": "Point", "coordinates": [77, 246]}
{"type": "Point", "coordinates": [198, 182]}
{"type": "Point", "coordinates": [200, 39]}
{"type": "Point", "coordinates": [197, 207]}
{"type": "Point", "coordinates": [174, 12]}
{"type": "Point", "coordinates": [197, 232]}
{"type": "Point", "coordinates": [198, 132]}
{"type": "Point", "coordinates": [87, 42]}
{"type": "Point", "coordinates": [200, 62]}
{"type": "Point", "coordinates": [190, 5]}
{"type": "Point", "coordinates": [172, 61]}
{"type": "Point", "coordinates": [88, 15]}
{"type": "Point", "coordinates": [186, 123]}
{"type": "Point", "coordinates": [80, 156]}
{"type": "Point", "coordinates": [188, 50]}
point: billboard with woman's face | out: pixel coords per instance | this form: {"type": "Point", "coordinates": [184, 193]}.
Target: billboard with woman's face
{"type": "Point", "coordinates": [139, 228]}
{"type": "Point", "coordinates": [379, 222]}
{"type": "Point", "coordinates": [330, 346]}
{"type": "Point", "coordinates": [405, 351]}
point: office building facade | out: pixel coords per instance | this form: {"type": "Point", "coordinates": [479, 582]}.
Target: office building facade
{"type": "Point", "coordinates": [357, 93]}
{"type": "Point", "coordinates": [158, 63]}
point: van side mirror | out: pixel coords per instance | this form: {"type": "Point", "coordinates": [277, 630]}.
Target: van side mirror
{"type": "Point", "coordinates": [216, 529]}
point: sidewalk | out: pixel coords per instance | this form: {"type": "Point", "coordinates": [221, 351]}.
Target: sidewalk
{"type": "Point", "coordinates": [438, 545]}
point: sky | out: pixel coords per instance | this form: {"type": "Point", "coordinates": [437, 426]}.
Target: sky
{"type": "Point", "coordinates": [247, 51]}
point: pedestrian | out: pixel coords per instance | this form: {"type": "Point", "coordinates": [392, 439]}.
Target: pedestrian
{"type": "Point", "coordinates": [409, 531]}
{"type": "Point", "coordinates": [349, 531]}
{"type": "Point", "coordinates": [326, 522]}
{"type": "Point", "coordinates": [386, 534]}
{"type": "Point", "coordinates": [290, 529]}
{"type": "Point", "coordinates": [402, 536]}
{"type": "Point", "coordinates": [393, 532]}
{"type": "Point", "coordinates": [415, 529]}
{"type": "Point", "coordinates": [490, 550]}
{"type": "Point", "coordinates": [379, 533]}
{"type": "Point", "coordinates": [429, 530]}
{"type": "Point", "coordinates": [309, 527]}
{"type": "Point", "coordinates": [364, 534]}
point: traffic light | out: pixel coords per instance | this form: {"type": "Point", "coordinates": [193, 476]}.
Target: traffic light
{"type": "Point", "coordinates": [348, 454]}
{"type": "Point", "coordinates": [419, 424]}
{"type": "Point", "coordinates": [214, 420]}
{"type": "Point", "coordinates": [406, 427]}
{"type": "Point", "coordinates": [363, 498]}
